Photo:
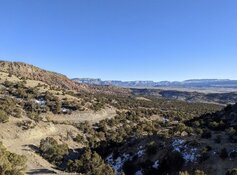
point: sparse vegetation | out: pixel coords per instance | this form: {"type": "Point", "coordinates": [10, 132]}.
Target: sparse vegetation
{"type": "Point", "coordinates": [140, 138]}
{"type": "Point", "coordinates": [232, 172]}
{"type": "Point", "coordinates": [3, 117]}
{"type": "Point", "coordinates": [52, 151]}
{"type": "Point", "coordinates": [10, 163]}
{"type": "Point", "coordinates": [89, 163]}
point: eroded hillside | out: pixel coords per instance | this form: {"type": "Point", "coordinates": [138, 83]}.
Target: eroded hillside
{"type": "Point", "coordinates": [53, 79]}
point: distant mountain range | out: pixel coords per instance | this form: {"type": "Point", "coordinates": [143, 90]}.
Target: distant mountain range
{"type": "Point", "coordinates": [194, 83]}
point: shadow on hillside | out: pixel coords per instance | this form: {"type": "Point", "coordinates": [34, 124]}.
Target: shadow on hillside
{"type": "Point", "coordinates": [41, 171]}
{"type": "Point", "coordinates": [31, 147]}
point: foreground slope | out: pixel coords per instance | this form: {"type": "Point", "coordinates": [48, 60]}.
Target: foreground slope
{"type": "Point", "coordinates": [65, 131]}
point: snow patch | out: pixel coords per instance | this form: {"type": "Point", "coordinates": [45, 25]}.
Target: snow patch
{"type": "Point", "coordinates": [40, 102]}
{"type": "Point", "coordinates": [189, 154]}
{"type": "Point", "coordinates": [139, 173]}
{"type": "Point", "coordinates": [156, 164]}
{"type": "Point", "coordinates": [165, 120]}
{"type": "Point", "coordinates": [178, 144]}
{"type": "Point", "coordinates": [118, 163]}
{"type": "Point", "coordinates": [140, 153]}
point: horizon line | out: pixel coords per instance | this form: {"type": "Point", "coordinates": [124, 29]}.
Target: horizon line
{"type": "Point", "coordinates": [193, 79]}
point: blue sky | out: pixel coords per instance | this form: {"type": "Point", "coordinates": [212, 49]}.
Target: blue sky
{"type": "Point", "coordinates": [123, 39]}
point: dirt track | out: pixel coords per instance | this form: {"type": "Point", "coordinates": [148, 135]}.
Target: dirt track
{"type": "Point", "coordinates": [26, 142]}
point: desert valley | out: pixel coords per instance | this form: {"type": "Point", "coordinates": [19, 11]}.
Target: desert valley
{"type": "Point", "coordinates": [53, 125]}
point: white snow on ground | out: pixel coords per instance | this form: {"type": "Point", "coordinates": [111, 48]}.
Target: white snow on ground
{"type": "Point", "coordinates": [139, 173]}
{"type": "Point", "coordinates": [178, 144]}
{"type": "Point", "coordinates": [156, 164]}
{"type": "Point", "coordinates": [118, 163]}
{"type": "Point", "coordinates": [140, 153]}
{"type": "Point", "coordinates": [189, 154]}
{"type": "Point", "coordinates": [109, 159]}
{"type": "Point", "coordinates": [65, 110]}
{"type": "Point", "coordinates": [165, 120]}
{"type": "Point", "coordinates": [40, 102]}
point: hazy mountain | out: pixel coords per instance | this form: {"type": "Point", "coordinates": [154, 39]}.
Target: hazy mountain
{"type": "Point", "coordinates": [194, 83]}
{"type": "Point", "coordinates": [115, 82]}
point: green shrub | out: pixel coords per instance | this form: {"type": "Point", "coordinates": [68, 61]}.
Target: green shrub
{"type": "Point", "coordinates": [218, 139]}
{"type": "Point", "coordinates": [10, 163]}
{"type": "Point", "coordinates": [224, 153]}
{"type": "Point", "coordinates": [90, 163]}
{"type": "Point", "coordinates": [52, 151]}
{"type": "Point", "coordinates": [151, 148]}
{"type": "Point", "coordinates": [172, 158]}
{"type": "Point", "coordinates": [231, 131]}
{"type": "Point", "coordinates": [206, 134]}
{"type": "Point", "coordinates": [232, 172]}
{"type": "Point", "coordinates": [79, 139]}
{"type": "Point", "coordinates": [3, 117]}
{"type": "Point", "coordinates": [199, 172]}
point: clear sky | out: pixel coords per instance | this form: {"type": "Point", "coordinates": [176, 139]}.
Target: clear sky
{"type": "Point", "coordinates": [123, 39]}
